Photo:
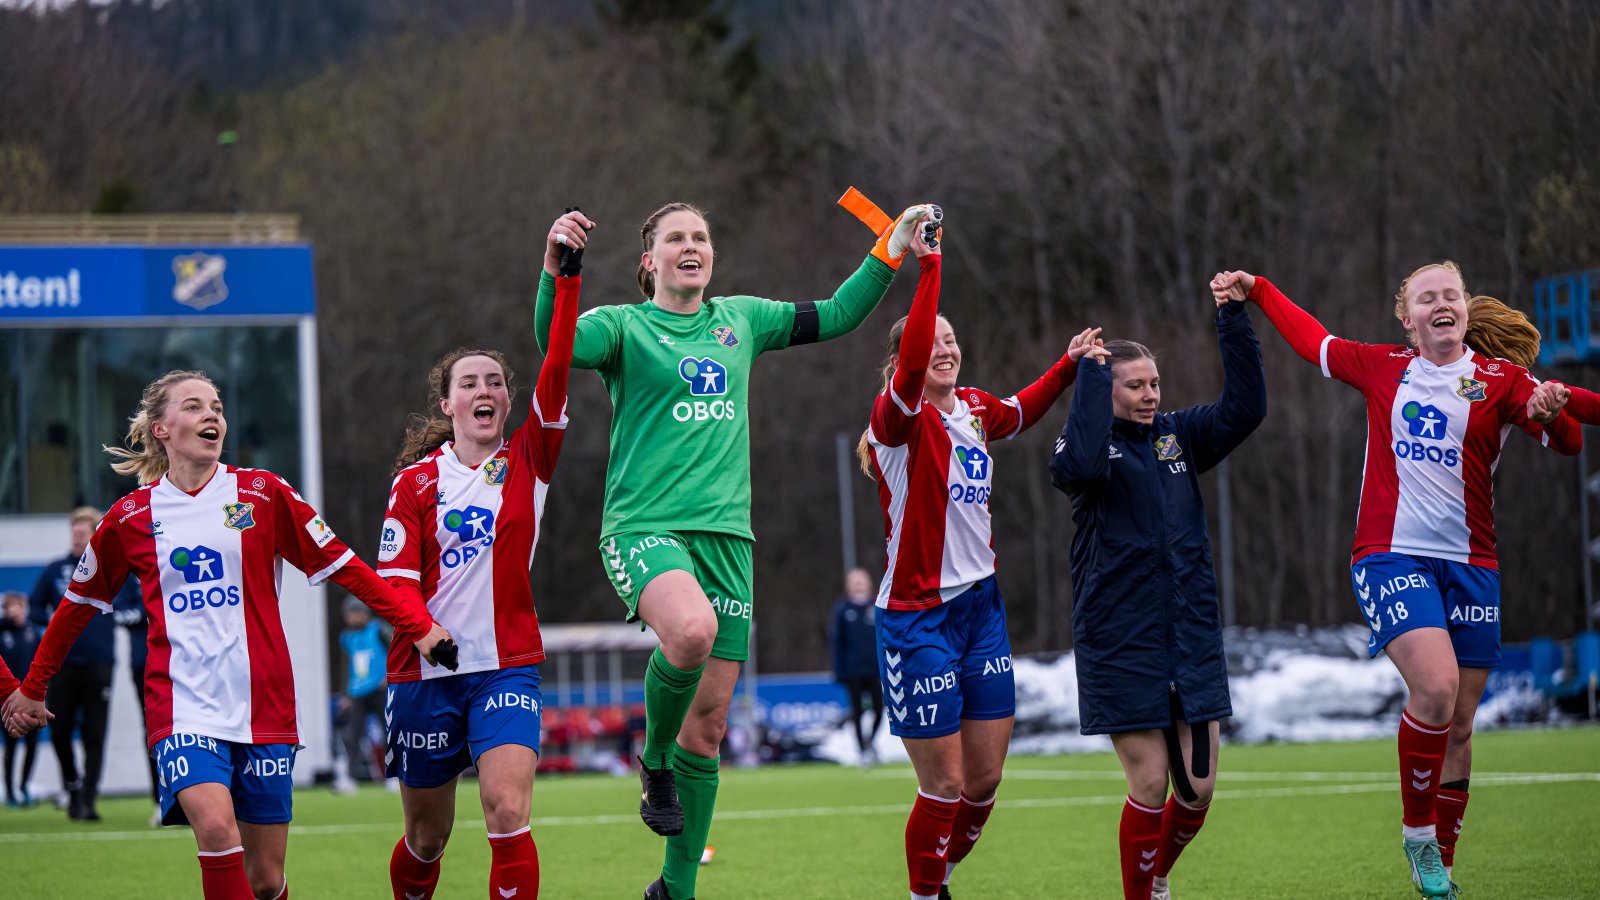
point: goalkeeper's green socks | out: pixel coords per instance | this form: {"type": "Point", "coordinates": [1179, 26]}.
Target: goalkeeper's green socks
{"type": "Point", "coordinates": [668, 691]}
{"type": "Point", "coordinates": [697, 792]}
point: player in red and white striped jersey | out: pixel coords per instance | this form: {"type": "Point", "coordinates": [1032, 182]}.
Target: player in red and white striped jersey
{"type": "Point", "coordinates": [460, 532]}
{"type": "Point", "coordinates": [943, 651]}
{"type": "Point", "coordinates": [207, 542]}
{"type": "Point", "coordinates": [1424, 568]}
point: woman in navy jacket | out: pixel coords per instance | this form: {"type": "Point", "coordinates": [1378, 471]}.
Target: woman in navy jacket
{"type": "Point", "coordinates": [1145, 626]}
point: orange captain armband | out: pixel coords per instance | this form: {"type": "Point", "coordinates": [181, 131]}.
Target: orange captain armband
{"type": "Point", "coordinates": [857, 204]}
{"type": "Point", "coordinates": [885, 228]}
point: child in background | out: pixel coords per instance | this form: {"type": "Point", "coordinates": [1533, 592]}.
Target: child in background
{"type": "Point", "coordinates": [18, 639]}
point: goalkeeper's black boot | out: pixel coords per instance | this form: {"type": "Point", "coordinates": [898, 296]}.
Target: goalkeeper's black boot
{"type": "Point", "coordinates": [658, 801]}
{"type": "Point", "coordinates": [658, 891]}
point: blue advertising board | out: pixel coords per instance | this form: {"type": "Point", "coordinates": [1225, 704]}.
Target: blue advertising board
{"type": "Point", "coordinates": [52, 285]}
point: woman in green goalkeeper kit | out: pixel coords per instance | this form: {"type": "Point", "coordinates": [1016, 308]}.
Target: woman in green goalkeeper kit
{"type": "Point", "coordinates": [675, 537]}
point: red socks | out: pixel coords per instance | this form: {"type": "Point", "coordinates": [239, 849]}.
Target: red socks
{"type": "Point", "coordinates": [1421, 763]}
{"type": "Point", "coordinates": [410, 876]}
{"type": "Point", "coordinates": [1452, 809]}
{"type": "Point", "coordinates": [222, 875]}
{"type": "Point", "coordinates": [928, 842]}
{"type": "Point", "coordinates": [513, 866]}
{"type": "Point", "coordinates": [1179, 825]}
{"type": "Point", "coordinates": [1140, 837]}
{"type": "Point", "coordinates": [968, 826]}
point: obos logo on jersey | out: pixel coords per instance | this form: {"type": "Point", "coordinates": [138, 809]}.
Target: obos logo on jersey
{"type": "Point", "coordinates": [475, 527]}
{"type": "Point", "coordinates": [239, 516]}
{"type": "Point", "coordinates": [87, 566]}
{"type": "Point", "coordinates": [200, 565]}
{"type": "Point", "coordinates": [392, 541]}
{"type": "Point", "coordinates": [494, 471]}
{"type": "Point", "coordinates": [1426, 421]}
{"type": "Point", "coordinates": [706, 378]}
{"type": "Point", "coordinates": [975, 465]}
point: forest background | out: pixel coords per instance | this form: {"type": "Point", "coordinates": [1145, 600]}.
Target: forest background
{"type": "Point", "coordinates": [1097, 161]}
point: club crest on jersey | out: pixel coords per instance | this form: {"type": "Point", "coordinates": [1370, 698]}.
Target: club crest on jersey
{"type": "Point", "coordinates": [725, 336]}
{"type": "Point", "coordinates": [238, 516]}
{"type": "Point", "coordinates": [494, 471]}
{"type": "Point", "coordinates": [977, 428]}
{"type": "Point", "coordinates": [1472, 390]}
{"type": "Point", "coordinates": [1167, 447]}
{"type": "Point", "coordinates": [706, 376]}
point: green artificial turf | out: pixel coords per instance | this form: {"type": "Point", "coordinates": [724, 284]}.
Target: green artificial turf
{"type": "Point", "coordinates": [1302, 821]}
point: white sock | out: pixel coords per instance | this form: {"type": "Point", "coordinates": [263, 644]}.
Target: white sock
{"type": "Point", "coordinates": [924, 897]}
{"type": "Point", "coordinates": [949, 869]}
{"type": "Point", "coordinates": [1159, 883]}
{"type": "Point", "coordinates": [1419, 832]}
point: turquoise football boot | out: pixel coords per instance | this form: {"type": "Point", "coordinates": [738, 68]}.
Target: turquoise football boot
{"type": "Point", "coordinates": [1427, 869]}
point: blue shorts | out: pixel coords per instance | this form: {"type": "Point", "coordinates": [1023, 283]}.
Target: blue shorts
{"type": "Point", "coordinates": [439, 727]}
{"type": "Point", "coordinates": [945, 664]}
{"type": "Point", "coordinates": [259, 776]}
{"type": "Point", "coordinates": [1398, 592]}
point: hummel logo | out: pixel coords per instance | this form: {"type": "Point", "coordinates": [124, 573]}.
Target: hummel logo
{"type": "Point", "coordinates": [665, 340]}
{"type": "Point", "coordinates": [974, 833]}
{"type": "Point", "coordinates": [944, 846]}
{"type": "Point", "coordinates": [1150, 859]}
{"type": "Point", "coordinates": [1361, 576]}
{"type": "Point", "coordinates": [506, 893]}
{"type": "Point", "coordinates": [894, 678]}
{"type": "Point", "coordinates": [900, 713]}
{"type": "Point", "coordinates": [893, 658]}
{"type": "Point", "coordinates": [411, 896]}
{"type": "Point", "coordinates": [897, 696]}
{"type": "Point", "coordinates": [1185, 837]}
{"type": "Point", "coordinates": [1115, 453]}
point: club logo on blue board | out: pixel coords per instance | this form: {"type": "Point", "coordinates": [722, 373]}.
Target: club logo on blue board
{"type": "Point", "coordinates": [706, 376]}
{"type": "Point", "coordinates": [1167, 447]}
{"type": "Point", "coordinates": [471, 524]}
{"type": "Point", "coordinates": [1425, 420]}
{"type": "Point", "coordinates": [198, 564]}
{"type": "Point", "coordinates": [198, 280]}
{"type": "Point", "coordinates": [494, 471]}
{"type": "Point", "coordinates": [1472, 390]}
{"type": "Point", "coordinates": [725, 336]}
{"type": "Point", "coordinates": [238, 516]}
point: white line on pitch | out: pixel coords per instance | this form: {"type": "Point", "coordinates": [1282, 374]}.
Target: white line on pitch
{"type": "Point", "coordinates": [1492, 780]}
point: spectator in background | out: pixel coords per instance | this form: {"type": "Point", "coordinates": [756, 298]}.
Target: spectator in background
{"type": "Point", "coordinates": [80, 696]}
{"type": "Point", "coordinates": [363, 648]}
{"type": "Point", "coordinates": [127, 611]}
{"type": "Point", "coordinates": [18, 639]}
{"type": "Point", "coordinates": [852, 635]}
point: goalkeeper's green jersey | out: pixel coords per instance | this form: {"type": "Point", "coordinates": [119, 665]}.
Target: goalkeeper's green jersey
{"type": "Point", "coordinates": [680, 386]}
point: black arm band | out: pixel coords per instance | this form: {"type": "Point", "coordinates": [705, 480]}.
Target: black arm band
{"type": "Point", "coordinates": [806, 324]}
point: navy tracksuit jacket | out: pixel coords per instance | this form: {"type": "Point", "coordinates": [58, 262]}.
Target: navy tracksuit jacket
{"type": "Point", "coordinates": [1145, 623]}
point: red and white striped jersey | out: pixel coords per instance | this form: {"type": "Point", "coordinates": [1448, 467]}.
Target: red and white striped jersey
{"type": "Point", "coordinates": [465, 537]}
{"type": "Point", "coordinates": [1434, 436]}
{"type": "Point", "coordinates": [934, 476]}
{"type": "Point", "coordinates": [210, 566]}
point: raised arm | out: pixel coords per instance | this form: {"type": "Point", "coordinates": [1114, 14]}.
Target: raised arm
{"type": "Point", "coordinates": [550, 394]}
{"type": "Point", "coordinates": [1305, 334]}
{"type": "Point", "coordinates": [1215, 429]}
{"type": "Point", "coordinates": [916, 342]}
{"type": "Point", "coordinates": [592, 339]}
{"type": "Point", "coordinates": [860, 294]}
{"type": "Point", "coordinates": [1081, 456]}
